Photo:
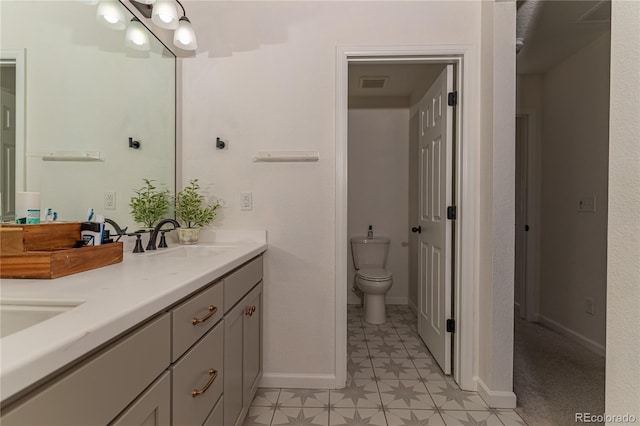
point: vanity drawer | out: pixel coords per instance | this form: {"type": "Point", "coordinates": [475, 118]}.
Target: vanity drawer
{"type": "Point", "coordinates": [240, 282]}
{"type": "Point", "coordinates": [193, 318]}
{"type": "Point", "coordinates": [216, 418]}
{"type": "Point", "coordinates": [99, 389]}
{"type": "Point", "coordinates": [200, 367]}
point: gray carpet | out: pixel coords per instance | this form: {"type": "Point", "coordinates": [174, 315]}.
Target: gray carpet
{"type": "Point", "coordinates": [553, 377]}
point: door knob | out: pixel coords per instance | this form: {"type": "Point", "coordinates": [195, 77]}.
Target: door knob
{"type": "Point", "coordinates": [417, 229]}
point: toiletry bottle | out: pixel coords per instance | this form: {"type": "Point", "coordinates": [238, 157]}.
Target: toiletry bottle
{"type": "Point", "coordinates": [370, 232]}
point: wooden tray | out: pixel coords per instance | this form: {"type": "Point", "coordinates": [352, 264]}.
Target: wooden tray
{"type": "Point", "coordinates": [43, 236]}
{"type": "Point", "coordinates": [58, 263]}
{"type": "Point", "coordinates": [45, 251]}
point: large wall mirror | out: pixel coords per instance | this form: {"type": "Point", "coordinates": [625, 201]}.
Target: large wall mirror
{"type": "Point", "coordinates": [73, 93]}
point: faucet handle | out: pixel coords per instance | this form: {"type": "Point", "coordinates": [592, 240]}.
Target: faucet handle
{"type": "Point", "coordinates": [163, 240]}
{"type": "Point", "coordinates": [138, 248]}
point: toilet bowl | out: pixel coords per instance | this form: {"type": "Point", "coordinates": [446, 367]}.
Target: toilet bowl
{"type": "Point", "coordinates": [374, 284]}
{"type": "Point", "coordinates": [369, 259]}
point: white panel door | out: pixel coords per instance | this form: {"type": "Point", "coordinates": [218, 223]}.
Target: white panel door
{"type": "Point", "coordinates": [7, 155]}
{"type": "Point", "coordinates": [435, 194]}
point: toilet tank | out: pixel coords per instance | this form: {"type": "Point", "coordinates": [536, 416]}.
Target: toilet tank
{"type": "Point", "coordinates": [369, 252]}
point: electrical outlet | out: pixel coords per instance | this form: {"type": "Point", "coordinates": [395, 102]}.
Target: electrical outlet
{"type": "Point", "coordinates": [110, 200]}
{"type": "Point", "coordinates": [589, 306]}
{"type": "Point", "coordinates": [246, 201]}
{"type": "Point", "coordinates": [587, 204]}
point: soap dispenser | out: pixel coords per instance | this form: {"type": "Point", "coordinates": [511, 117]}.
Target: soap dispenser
{"type": "Point", "coordinates": [370, 232]}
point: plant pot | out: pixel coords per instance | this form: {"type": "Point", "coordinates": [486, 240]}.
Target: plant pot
{"type": "Point", "coordinates": [188, 236]}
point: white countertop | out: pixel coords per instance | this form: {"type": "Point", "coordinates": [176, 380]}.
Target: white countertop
{"type": "Point", "coordinates": [112, 300]}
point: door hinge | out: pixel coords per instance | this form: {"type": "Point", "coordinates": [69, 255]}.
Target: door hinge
{"type": "Point", "coordinates": [451, 326]}
{"type": "Point", "coordinates": [452, 212]}
{"type": "Point", "coordinates": [453, 98]}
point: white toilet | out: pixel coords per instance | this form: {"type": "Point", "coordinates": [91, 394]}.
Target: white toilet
{"type": "Point", "coordinates": [369, 259]}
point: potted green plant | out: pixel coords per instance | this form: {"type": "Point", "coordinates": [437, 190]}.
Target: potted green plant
{"type": "Point", "coordinates": [150, 204]}
{"type": "Point", "coordinates": [194, 212]}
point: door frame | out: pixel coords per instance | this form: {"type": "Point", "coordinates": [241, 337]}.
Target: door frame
{"type": "Point", "coordinates": [467, 178]}
{"type": "Point", "coordinates": [534, 177]}
{"type": "Point", "coordinates": [18, 56]}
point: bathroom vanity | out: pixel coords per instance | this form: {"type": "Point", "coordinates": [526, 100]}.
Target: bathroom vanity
{"type": "Point", "coordinates": [168, 337]}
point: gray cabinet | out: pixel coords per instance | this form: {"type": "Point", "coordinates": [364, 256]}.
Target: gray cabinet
{"type": "Point", "coordinates": [151, 408]}
{"type": "Point", "coordinates": [243, 355]}
{"type": "Point", "coordinates": [233, 327]}
{"type": "Point", "coordinates": [197, 363]}
{"type": "Point", "coordinates": [252, 345]}
{"type": "Point", "coordinates": [98, 389]}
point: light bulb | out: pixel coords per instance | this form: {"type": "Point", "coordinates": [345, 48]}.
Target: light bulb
{"type": "Point", "coordinates": [111, 15]}
{"type": "Point", "coordinates": [184, 37]}
{"type": "Point", "coordinates": [136, 36]}
{"type": "Point", "coordinates": [165, 14]}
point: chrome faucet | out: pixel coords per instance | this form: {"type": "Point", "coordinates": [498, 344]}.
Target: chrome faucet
{"type": "Point", "coordinates": [156, 230]}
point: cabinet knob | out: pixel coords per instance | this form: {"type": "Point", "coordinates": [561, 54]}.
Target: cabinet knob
{"type": "Point", "coordinates": [250, 310]}
{"type": "Point", "coordinates": [214, 374]}
{"type": "Point", "coordinates": [212, 312]}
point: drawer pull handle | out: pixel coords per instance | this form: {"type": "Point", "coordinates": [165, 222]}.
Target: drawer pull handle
{"type": "Point", "coordinates": [213, 373]}
{"type": "Point", "coordinates": [250, 310]}
{"type": "Point", "coordinates": [212, 312]}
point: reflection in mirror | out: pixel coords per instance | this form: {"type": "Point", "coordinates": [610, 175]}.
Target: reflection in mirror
{"type": "Point", "coordinates": [84, 94]}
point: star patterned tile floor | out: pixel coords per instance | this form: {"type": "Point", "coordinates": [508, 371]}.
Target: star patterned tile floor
{"type": "Point", "coordinates": [392, 381]}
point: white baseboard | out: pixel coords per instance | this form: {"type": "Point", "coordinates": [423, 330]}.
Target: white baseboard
{"type": "Point", "coordinates": [299, 381]}
{"type": "Point", "coordinates": [412, 306]}
{"type": "Point", "coordinates": [592, 345]}
{"type": "Point", "coordinates": [388, 300]}
{"type": "Point", "coordinates": [496, 399]}
{"type": "Point", "coordinates": [397, 300]}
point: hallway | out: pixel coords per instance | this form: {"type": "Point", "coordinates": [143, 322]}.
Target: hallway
{"type": "Point", "coordinates": [392, 380]}
{"type": "Point", "coordinates": [554, 378]}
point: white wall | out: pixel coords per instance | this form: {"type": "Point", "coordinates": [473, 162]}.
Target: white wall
{"type": "Point", "coordinates": [85, 91]}
{"type": "Point", "coordinates": [622, 394]}
{"type": "Point", "coordinates": [575, 140]}
{"type": "Point", "coordinates": [497, 201]}
{"type": "Point", "coordinates": [379, 188]}
{"type": "Point", "coordinates": [264, 78]}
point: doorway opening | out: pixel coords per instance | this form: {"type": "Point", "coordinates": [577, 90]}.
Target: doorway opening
{"type": "Point", "coordinates": [366, 112]}
{"type": "Point", "coordinates": [562, 145]}
{"type": "Point", "coordinates": [12, 142]}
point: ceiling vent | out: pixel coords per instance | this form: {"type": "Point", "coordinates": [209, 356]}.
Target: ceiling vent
{"type": "Point", "coordinates": [373, 82]}
{"type": "Point", "coordinates": [598, 14]}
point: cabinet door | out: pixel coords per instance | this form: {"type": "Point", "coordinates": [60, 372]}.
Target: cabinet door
{"type": "Point", "coordinates": [152, 408]}
{"type": "Point", "coordinates": [252, 344]}
{"type": "Point", "coordinates": [233, 323]}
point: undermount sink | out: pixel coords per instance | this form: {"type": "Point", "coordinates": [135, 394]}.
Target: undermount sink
{"type": "Point", "coordinates": [17, 316]}
{"type": "Point", "coordinates": [195, 251]}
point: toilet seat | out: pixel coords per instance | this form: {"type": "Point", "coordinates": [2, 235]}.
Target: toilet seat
{"type": "Point", "coordinates": [374, 274]}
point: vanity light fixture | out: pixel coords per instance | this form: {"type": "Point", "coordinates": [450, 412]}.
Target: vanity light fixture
{"type": "Point", "coordinates": [136, 36]}
{"type": "Point", "coordinates": [184, 37]}
{"type": "Point", "coordinates": [111, 15]}
{"type": "Point", "coordinates": [165, 14]}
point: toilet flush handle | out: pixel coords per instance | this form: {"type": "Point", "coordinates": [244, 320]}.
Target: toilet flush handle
{"type": "Point", "coordinates": [417, 229]}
